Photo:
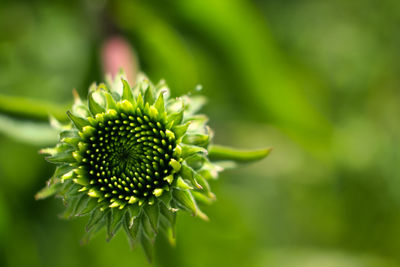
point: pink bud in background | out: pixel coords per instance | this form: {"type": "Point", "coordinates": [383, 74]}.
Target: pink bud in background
{"type": "Point", "coordinates": [117, 54]}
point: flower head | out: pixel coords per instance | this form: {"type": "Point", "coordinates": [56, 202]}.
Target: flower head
{"type": "Point", "coordinates": [132, 157]}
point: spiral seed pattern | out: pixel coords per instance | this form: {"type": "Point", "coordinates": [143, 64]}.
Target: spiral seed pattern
{"type": "Point", "coordinates": [126, 156]}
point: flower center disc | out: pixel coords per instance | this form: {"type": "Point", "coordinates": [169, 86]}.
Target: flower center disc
{"type": "Point", "coordinates": [128, 155]}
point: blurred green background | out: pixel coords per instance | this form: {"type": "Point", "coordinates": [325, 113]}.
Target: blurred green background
{"type": "Point", "coordinates": [317, 80]}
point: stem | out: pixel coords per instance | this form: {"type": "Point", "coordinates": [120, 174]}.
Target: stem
{"type": "Point", "coordinates": [31, 108]}
{"type": "Point", "coordinates": [217, 152]}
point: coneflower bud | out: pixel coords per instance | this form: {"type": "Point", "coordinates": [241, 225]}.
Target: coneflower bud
{"type": "Point", "coordinates": [131, 158]}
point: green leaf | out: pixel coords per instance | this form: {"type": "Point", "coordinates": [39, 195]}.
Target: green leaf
{"type": "Point", "coordinates": [28, 132]}
{"type": "Point", "coordinates": [217, 152]}
{"type": "Point", "coordinates": [28, 109]}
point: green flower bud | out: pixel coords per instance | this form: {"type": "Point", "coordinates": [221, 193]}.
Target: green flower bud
{"type": "Point", "coordinates": [131, 158]}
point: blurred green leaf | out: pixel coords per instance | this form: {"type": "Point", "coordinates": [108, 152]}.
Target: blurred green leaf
{"type": "Point", "coordinates": [29, 132]}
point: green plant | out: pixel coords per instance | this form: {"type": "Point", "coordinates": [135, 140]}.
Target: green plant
{"type": "Point", "coordinates": [133, 157]}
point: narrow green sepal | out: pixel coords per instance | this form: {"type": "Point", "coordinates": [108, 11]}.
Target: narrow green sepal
{"type": "Point", "coordinates": [185, 199]}
{"type": "Point", "coordinates": [131, 227]}
{"type": "Point", "coordinates": [152, 212]}
{"type": "Point", "coordinates": [149, 95]}
{"type": "Point", "coordinates": [175, 118]}
{"type": "Point", "coordinates": [73, 141]}
{"type": "Point", "coordinates": [78, 121]}
{"type": "Point", "coordinates": [160, 105]}
{"type": "Point", "coordinates": [62, 170]}
{"type": "Point", "coordinates": [189, 150]}
{"type": "Point", "coordinates": [189, 174]}
{"type": "Point", "coordinates": [176, 166]}
{"type": "Point", "coordinates": [147, 246]}
{"type": "Point", "coordinates": [94, 106]}
{"type": "Point", "coordinates": [166, 197]}
{"type": "Point", "coordinates": [181, 184]}
{"type": "Point", "coordinates": [126, 106]}
{"type": "Point", "coordinates": [127, 92]}
{"type": "Point", "coordinates": [180, 130]}
{"type": "Point", "coordinates": [217, 152]}
{"type": "Point", "coordinates": [91, 204]}
{"type": "Point", "coordinates": [139, 101]}
{"type": "Point", "coordinates": [61, 157]}
{"type": "Point", "coordinates": [116, 222]}
{"type": "Point", "coordinates": [201, 140]}
{"type": "Point", "coordinates": [94, 218]}
{"type": "Point", "coordinates": [201, 198]}
{"type": "Point", "coordinates": [48, 191]}
{"type": "Point", "coordinates": [110, 101]}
